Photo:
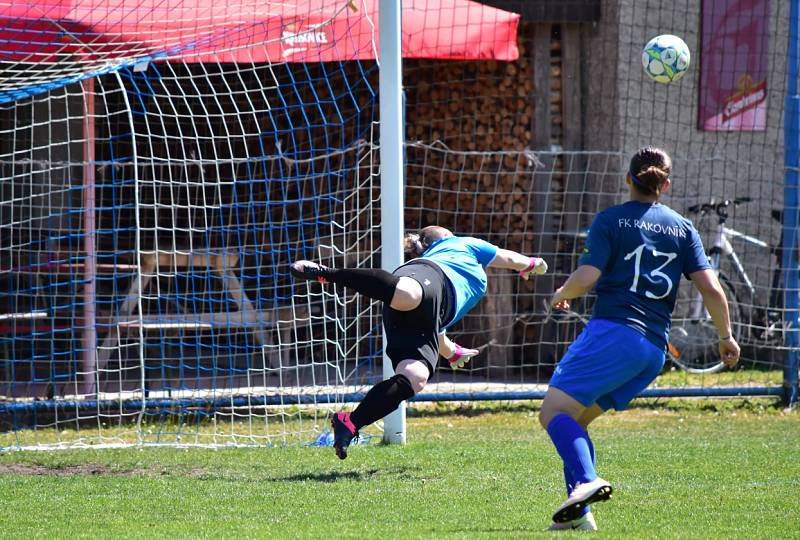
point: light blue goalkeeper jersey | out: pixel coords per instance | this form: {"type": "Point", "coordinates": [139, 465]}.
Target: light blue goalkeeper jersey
{"type": "Point", "coordinates": [463, 260]}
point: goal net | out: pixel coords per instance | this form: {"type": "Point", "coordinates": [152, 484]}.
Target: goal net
{"type": "Point", "coordinates": [155, 191]}
{"type": "Point", "coordinates": [162, 164]}
{"type": "Point", "coordinates": [157, 180]}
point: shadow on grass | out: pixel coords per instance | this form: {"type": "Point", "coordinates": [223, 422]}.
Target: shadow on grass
{"type": "Point", "coordinates": [357, 476]}
{"type": "Point", "coordinates": [326, 477]}
{"type": "Point", "coordinates": [508, 532]}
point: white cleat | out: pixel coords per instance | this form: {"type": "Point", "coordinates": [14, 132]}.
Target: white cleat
{"type": "Point", "coordinates": [583, 523]}
{"type": "Point", "coordinates": [584, 494]}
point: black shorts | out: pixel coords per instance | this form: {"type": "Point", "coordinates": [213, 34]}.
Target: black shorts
{"type": "Point", "coordinates": [414, 335]}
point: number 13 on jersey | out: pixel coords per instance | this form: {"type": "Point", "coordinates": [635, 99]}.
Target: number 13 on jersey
{"type": "Point", "coordinates": [656, 275]}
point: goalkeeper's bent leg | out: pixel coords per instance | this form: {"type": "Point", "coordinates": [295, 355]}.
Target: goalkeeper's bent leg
{"type": "Point", "coordinates": [386, 396]}
{"type": "Point", "coordinates": [382, 399]}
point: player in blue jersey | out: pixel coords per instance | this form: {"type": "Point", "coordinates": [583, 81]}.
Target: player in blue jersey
{"type": "Point", "coordinates": [422, 298]}
{"type": "Point", "coordinates": [634, 257]}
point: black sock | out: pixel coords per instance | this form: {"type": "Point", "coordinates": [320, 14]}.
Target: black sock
{"type": "Point", "coordinates": [376, 283]}
{"type": "Point", "coordinates": [382, 399]}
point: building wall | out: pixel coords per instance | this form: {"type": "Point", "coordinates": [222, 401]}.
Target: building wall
{"type": "Point", "coordinates": [624, 110]}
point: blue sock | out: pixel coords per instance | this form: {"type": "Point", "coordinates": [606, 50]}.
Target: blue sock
{"type": "Point", "coordinates": [574, 446]}
{"type": "Point", "coordinates": [570, 482]}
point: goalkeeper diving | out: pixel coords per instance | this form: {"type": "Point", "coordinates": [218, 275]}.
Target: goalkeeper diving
{"type": "Point", "coordinates": [421, 300]}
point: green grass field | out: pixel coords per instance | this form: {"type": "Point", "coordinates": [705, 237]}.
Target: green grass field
{"type": "Point", "coordinates": [683, 469]}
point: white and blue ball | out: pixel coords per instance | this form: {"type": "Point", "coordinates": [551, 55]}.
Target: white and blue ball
{"type": "Point", "coordinates": [666, 58]}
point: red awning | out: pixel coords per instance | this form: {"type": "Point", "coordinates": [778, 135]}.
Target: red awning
{"type": "Point", "coordinates": [98, 32]}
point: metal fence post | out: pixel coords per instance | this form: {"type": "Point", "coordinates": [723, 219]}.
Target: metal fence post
{"type": "Point", "coordinates": [790, 214]}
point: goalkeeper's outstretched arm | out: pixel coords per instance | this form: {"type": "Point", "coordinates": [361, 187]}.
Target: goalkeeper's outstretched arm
{"type": "Point", "coordinates": [525, 265]}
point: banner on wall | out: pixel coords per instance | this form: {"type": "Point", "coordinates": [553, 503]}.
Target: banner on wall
{"type": "Point", "coordinates": [733, 65]}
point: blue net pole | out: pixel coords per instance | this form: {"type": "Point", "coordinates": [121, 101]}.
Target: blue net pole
{"type": "Point", "coordinates": [790, 222]}
{"type": "Point", "coordinates": [209, 405]}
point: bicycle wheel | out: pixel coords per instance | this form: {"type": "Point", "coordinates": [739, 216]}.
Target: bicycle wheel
{"type": "Point", "coordinates": [694, 344]}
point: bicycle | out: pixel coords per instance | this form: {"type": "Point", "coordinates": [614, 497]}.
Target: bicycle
{"type": "Point", "coordinates": [693, 336]}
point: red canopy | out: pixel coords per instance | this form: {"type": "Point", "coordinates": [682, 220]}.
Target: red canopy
{"type": "Point", "coordinates": [111, 31]}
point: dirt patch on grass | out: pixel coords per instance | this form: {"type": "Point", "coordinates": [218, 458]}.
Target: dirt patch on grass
{"type": "Point", "coordinates": [29, 469]}
{"type": "Point", "coordinates": [198, 473]}
{"type": "Point", "coordinates": [94, 469]}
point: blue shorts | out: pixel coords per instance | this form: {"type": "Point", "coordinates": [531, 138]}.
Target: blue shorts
{"type": "Point", "coordinates": [609, 364]}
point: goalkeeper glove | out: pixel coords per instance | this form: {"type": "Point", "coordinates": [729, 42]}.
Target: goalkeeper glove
{"type": "Point", "coordinates": [537, 266]}
{"type": "Point", "coordinates": [461, 356]}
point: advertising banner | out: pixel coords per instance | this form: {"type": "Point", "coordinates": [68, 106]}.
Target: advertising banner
{"type": "Point", "coordinates": [733, 65]}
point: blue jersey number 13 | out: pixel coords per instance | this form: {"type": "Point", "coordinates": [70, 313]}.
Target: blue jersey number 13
{"type": "Point", "coordinates": [637, 255]}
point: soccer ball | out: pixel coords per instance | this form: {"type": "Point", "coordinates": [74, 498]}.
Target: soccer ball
{"type": "Point", "coordinates": [665, 58]}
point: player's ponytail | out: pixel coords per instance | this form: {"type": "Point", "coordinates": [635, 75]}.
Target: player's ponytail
{"type": "Point", "coordinates": [649, 170]}
{"type": "Point", "coordinates": [412, 245]}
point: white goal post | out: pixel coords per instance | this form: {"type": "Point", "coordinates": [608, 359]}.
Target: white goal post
{"type": "Point", "coordinates": [392, 173]}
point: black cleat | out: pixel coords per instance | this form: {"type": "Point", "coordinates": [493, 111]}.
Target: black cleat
{"type": "Point", "coordinates": [308, 270]}
{"type": "Point", "coordinates": [343, 433]}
